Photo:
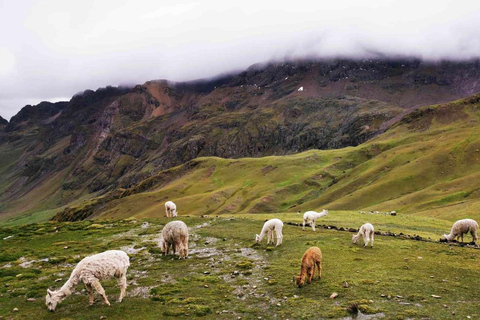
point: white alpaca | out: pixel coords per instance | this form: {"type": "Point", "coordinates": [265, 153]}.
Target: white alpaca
{"type": "Point", "coordinates": [311, 216]}
{"type": "Point", "coordinates": [170, 209]}
{"type": "Point", "coordinates": [462, 227]}
{"type": "Point", "coordinates": [175, 235]}
{"type": "Point", "coordinates": [90, 271]}
{"type": "Point", "coordinates": [367, 232]}
{"type": "Point", "coordinates": [267, 230]}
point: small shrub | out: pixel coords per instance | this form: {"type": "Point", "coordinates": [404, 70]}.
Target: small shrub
{"type": "Point", "coordinates": [246, 264]}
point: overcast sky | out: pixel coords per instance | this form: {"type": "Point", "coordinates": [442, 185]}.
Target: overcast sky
{"type": "Point", "coordinates": [52, 49]}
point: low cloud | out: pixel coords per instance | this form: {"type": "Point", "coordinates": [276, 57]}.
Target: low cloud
{"type": "Point", "coordinates": [56, 48]}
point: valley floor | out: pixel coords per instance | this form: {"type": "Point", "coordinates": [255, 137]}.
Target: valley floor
{"type": "Point", "coordinates": [226, 276]}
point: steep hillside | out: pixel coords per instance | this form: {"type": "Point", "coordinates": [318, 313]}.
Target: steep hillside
{"type": "Point", "coordinates": [53, 155]}
{"type": "Point", "coordinates": [427, 164]}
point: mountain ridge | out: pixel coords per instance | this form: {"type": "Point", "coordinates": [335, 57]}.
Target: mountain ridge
{"type": "Point", "coordinates": [117, 137]}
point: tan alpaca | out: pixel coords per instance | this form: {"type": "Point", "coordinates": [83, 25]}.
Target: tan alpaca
{"type": "Point", "coordinates": [311, 258]}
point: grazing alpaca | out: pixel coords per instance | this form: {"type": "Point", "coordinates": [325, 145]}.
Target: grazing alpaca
{"type": "Point", "coordinates": [90, 271]}
{"type": "Point", "coordinates": [462, 227]}
{"type": "Point", "coordinates": [175, 235]}
{"type": "Point", "coordinates": [312, 216]}
{"type": "Point", "coordinates": [367, 232]}
{"type": "Point", "coordinates": [267, 230]}
{"type": "Point", "coordinates": [170, 209]}
{"type": "Point", "coordinates": [311, 258]}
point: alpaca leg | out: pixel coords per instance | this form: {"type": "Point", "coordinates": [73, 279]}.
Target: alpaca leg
{"type": "Point", "coordinates": [309, 276]}
{"type": "Point", "coordinates": [185, 249]}
{"type": "Point", "coordinates": [96, 284]}
{"type": "Point", "coordinates": [462, 237]}
{"type": "Point", "coordinates": [269, 236]}
{"type": "Point", "coordinates": [366, 239]}
{"type": "Point", "coordinates": [279, 237]}
{"type": "Point", "coordinates": [313, 225]}
{"type": "Point", "coordinates": [474, 236]}
{"type": "Point", "coordinates": [166, 248]}
{"type": "Point", "coordinates": [371, 239]}
{"type": "Point", "coordinates": [182, 250]}
{"type": "Point", "coordinates": [319, 266]}
{"type": "Point", "coordinates": [303, 226]}
{"type": "Point", "coordinates": [90, 294]}
{"type": "Point", "coordinates": [122, 282]}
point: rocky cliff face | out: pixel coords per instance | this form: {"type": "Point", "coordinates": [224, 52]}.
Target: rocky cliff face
{"type": "Point", "coordinates": [117, 137]}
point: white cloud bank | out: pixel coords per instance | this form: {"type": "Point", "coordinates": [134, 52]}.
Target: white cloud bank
{"type": "Point", "coordinates": [55, 48]}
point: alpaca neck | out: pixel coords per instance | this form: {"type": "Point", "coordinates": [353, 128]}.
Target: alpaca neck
{"type": "Point", "coordinates": [262, 235]}
{"type": "Point", "coordinates": [69, 286]}
{"type": "Point", "coordinates": [449, 236]}
{"type": "Point", "coordinates": [319, 214]}
{"type": "Point", "coordinates": [303, 272]}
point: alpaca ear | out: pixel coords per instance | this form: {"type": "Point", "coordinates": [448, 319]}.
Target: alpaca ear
{"type": "Point", "coordinates": [49, 292]}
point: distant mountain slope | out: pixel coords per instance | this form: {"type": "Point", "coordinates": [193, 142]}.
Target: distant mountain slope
{"type": "Point", "coordinates": [116, 138]}
{"type": "Point", "coordinates": [427, 164]}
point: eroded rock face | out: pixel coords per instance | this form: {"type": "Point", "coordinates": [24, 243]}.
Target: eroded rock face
{"type": "Point", "coordinates": [116, 137]}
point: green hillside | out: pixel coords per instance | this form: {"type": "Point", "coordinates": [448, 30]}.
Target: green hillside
{"type": "Point", "coordinates": [239, 144]}
{"type": "Point", "coordinates": [427, 164]}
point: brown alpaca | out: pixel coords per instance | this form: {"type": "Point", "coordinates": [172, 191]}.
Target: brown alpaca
{"type": "Point", "coordinates": [311, 257]}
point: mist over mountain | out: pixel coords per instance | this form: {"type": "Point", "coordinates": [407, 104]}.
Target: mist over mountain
{"type": "Point", "coordinates": [114, 138]}
{"type": "Point", "coordinates": [92, 44]}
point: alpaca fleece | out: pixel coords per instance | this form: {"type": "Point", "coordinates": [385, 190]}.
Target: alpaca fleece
{"type": "Point", "coordinates": [170, 209]}
{"type": "Point", "coordinates": [267, 230]}
{"type": "Point", "coordinates": [90, 270]}
{"type": "Point", "coordinates": [462, 227]}
{"type": "Point", "coordinates": [175, 236]}
{"type": "Point", "coordinates": [367, 232]}
{"type": "Point", "coordinates": [312, 216]}
{"type": "Point", "coordinates": [311, 258]}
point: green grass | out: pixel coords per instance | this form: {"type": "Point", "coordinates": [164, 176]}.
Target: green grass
{"type": "Point", "coordinates": [204, 285]}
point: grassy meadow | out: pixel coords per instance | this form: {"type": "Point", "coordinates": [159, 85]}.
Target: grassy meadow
{"type": "Point", "coordinates": [227, 276]}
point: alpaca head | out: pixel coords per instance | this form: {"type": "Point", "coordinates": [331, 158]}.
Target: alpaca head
{"type": "Point", "coordinates": [257, 238]}
{"type": "Point", "coordinates": [175, 212]}
{"type": "Point", "coordinates": [355, 238]}
{"type": "Point", "coordinates": [446, 236]}
{"type": "Point", "coordinates": [52, 299]}
{"type": "Point", "coordinates": [162, 244]}
{"type": "Point", "coordinates": [299, 281]}
{"type": "Point", "coordinates": [325, 211]}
